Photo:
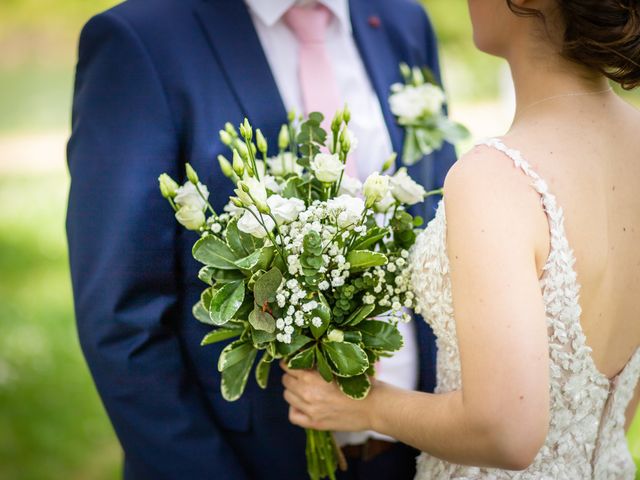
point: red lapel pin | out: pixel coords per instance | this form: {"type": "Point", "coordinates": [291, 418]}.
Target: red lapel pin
{"type": "Point", "coordinates": [374, 21]}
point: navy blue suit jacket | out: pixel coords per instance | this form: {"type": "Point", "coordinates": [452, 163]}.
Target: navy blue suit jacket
{"type": "Point", "coordinates": [156, 80]}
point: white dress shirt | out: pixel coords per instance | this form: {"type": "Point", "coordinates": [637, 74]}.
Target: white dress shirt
{"type": "Point", "coordinates": [367, 123]}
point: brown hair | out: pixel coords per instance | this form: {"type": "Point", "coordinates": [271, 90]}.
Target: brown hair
{"type": "Point", "coordinates": [602, 34]}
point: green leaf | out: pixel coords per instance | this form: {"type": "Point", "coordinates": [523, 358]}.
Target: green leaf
{"type": "Point", "coordinates": [361, 259]}
{"type": "Point", "coordinates": [260, 338]}
{"type": "Point", "coordinates": [201, 313]}
{"type": "Point", "coordinates": [371, 239]}
{"type": "Point", "coordinates": [322, 311]}
{"type": "Point", "coordinates": [241, 243]}
{"type": "Point", "coordinates": [355, 387]}
{"type": "Point", "coordinates": [303, 360]}
{"type": "Point", "coordinates": [266, 287]}
{"type": "Point", "coordinates": [297, 342]}
{"type": "Point", "coordinates": [292, 188]}
{"type": "Point", "coordinates": [250, 261]}
{"type": "Point", "coordinates": [220, 334]}
{"type": "Point", "coordinates": [347, 358]}
{"type": "Point", "coordinates": [359, 315]}
{"type": "Point", "coordinates": [262, 320]}
{"type": "Point", "coordinates": [378, 335]}
{"type": "Point", "coordinates": [214, 275]}
{"type": "Point", "coordinates": [213, 252]}
{"type": "Point", "coordinates": [226, 302]}
{"type": "Point", "coordinates": [323, 366]}
{"type": "Point", "coordinates": [234, 353]}
{"type": "Point", "coordinates": [234, 377]}
{"type": "Point", "coordinates": [262, 370]}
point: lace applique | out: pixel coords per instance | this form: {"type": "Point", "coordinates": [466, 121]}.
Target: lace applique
{"type": "Point", "coordinates": [587, 412]}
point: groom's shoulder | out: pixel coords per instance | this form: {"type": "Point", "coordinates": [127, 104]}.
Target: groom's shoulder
{"type": "Point", "coordinates": [407, 16]}
{"type": "Point", "coordinates": [146, 17]}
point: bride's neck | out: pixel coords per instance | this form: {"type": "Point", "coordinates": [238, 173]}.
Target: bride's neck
{"type": "Point", "coordinates": [539, 76]}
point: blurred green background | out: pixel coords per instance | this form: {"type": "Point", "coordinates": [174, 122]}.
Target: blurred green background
{"type": "Point", "coordinates": [52, 425]}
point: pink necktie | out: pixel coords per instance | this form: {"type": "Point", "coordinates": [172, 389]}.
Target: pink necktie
{"type": "Point", "coordinates": [320, 92]}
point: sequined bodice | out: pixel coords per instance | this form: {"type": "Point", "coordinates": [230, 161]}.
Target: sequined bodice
{"type": "Point", "coordinates": [586, 437]}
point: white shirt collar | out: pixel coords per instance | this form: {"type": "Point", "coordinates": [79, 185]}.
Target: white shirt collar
{"type": "Point", "coordinates": [271, 11]}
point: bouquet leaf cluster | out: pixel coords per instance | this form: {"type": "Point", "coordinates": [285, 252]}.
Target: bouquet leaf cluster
{"type": "Point", "coordinates": [304, 264]}
{"type": "Point", "coordinates": [418, 105]}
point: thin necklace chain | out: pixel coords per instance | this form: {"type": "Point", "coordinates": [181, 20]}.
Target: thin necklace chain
{"type": "Point", "coordinates": [572, 94]}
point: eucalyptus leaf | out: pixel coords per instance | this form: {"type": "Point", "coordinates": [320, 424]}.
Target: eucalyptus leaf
{"type": "Point", "coordinates": [226, 302]}
{"type": "Point", "coordinates": [303, 360]}
{"type": "Point", "coordinates": [234, 377]}
{"type": "Point", "coordinates": [378, 335]}
{"type": "Point", "coordinates": [261, 320]}
{"type": "Point", "coordinates": [212, 275]}
{"type": "Point", "coordinates": [362, 259]}
{"type": "Point", "coordinates": [260, 338]}
{"type": "Point", "coordinates": [265, 287]}
{"type": "Point", "coordinates": [357, 387]}
{"type": "Point", "coordinates": [220, 334]}
{"type": "Point", "coordinates": [213, 252]}
{"type": "Point", "coordinates": [262, 370]}
{"type": "Point", "coordinates": [348, 358]}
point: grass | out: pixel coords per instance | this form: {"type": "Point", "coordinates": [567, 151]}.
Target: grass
{"type": "Point", "coordinates": [52, 425]}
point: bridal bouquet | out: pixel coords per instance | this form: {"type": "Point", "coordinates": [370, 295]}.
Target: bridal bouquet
{"type": "Point", "coordinates": [418, 106]}
{"type": "Point", "coordinates": [304, 264]}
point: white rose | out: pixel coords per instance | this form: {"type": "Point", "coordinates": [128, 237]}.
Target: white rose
{"type": "Point", "coordinates": [188, 196]}
{"type": "Point", "coordinates": [327, 167]}
{"type": "Point", "coordinates": [405, 190]}
{"type": "Point", "coordinates": [350, 186]}
{"type": "Point", "coordinates": [191, 217]}
{"type": "Point", "coordinates": [348, 210]}
{"type": "Point", "coordinates": [383, 206]}
{"type": "Point", "coordinates": [284, 164]}
{"type": "Point", "coordinates": [433, 97]}
{"type": "Point", "coordinates": [285, 210]}
{"type": "Point", "coordinates": [248, 223]}
{"type": "Point", "coordinates": [375, 187]}
{"type": "Point", "coordinates": [412, 102]}
{"type": "Point", "coordinates": [257, 193]}
{"type": "Point", "coordinates": [271, 183]}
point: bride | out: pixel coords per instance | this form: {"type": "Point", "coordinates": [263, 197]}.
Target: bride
{"type": "Point", "coordinates": [530, 272]}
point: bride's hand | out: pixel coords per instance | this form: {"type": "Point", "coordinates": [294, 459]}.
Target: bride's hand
{"type": "Point", "coordinates": [316, 404]}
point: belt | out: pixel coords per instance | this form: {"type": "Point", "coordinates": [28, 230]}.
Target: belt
{"type": "Point", "coordinates": [368, 450]}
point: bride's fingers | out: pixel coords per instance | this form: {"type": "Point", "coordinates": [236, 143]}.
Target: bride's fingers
{"type": "Point", "coordinates": [298, 417]}
{"type": "Point", "coordinates": [295, 401]}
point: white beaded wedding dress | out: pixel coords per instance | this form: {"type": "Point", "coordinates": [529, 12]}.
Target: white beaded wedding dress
{"type": "Point", "coordinates": [586, 438]}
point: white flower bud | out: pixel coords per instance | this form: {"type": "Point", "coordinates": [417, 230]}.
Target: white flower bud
{"type": "Point", "coordinates": [225, 166]}
{"type": "Point", "coordinates": [225, 137]}
{"type": "Point", "coordinates": [283, 137]}
{"type": "Point", "coordinates": [190, 217]}
{"type": "Point", "coordinates": [375, 188]}
{"type": "Point", "coordinates": [168, 186]}
{"type": "Point", "coordinates": [191, 174]}
{"type": "Point", "coordinates": [238, 164]}
{"type": "Point", "coordinates": [261, 142]}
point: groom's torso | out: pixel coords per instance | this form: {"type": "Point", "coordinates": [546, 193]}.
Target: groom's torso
{"type": "Point", "coordinates": [212, 68]}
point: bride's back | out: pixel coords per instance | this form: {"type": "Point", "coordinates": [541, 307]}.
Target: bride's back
{"type": "Point", "coordinates": [588, 150]}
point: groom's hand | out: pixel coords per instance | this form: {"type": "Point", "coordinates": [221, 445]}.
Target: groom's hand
{"type": "Point", "coordinates": [320, 405]}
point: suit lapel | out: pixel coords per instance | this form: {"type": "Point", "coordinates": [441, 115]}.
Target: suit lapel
{"type": "Point", "coordinates": [379, 59]}
{"type": "Point", "coordinates": [236, 46]}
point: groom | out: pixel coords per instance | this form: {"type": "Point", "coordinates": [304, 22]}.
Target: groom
{"type": "Point", "coordinates": [156, 79]}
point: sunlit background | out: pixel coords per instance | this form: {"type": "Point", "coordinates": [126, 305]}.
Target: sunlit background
{"type": "Point", "coordinates": [52, 425]}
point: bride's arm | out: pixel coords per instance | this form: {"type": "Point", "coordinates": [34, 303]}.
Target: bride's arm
{"type": "Point", "coordinates": [496, 229]}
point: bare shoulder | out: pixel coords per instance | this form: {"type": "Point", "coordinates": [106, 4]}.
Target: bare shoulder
{"type": "Point", "coordinates": [485, 189]}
